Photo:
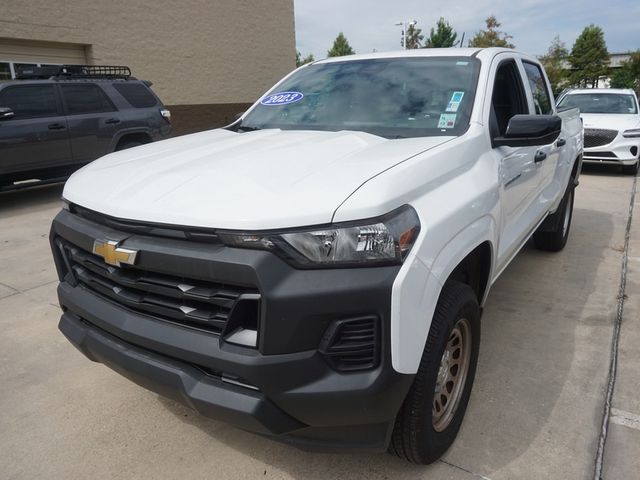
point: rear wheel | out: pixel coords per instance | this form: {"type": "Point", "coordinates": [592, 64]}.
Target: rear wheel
{"type": "Point", "coordinates": [432, 412]}
{"type": "Point", "coordinates": [631, 169]}
{"type": "Point", "coordinates": [124, 144]}
{"type": "Point", "coordinates": [554, 239]}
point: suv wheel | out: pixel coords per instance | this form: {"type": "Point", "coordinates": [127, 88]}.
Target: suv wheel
{"type": "Point", "coordinates": [432, 412]}
{"type": "Point", "coordinates": [123, 145]}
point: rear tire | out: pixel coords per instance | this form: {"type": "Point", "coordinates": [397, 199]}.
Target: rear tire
{"type": "Point", "coordinates": [631, 169]}
{"type": "Point", "coordinates": [432, 412]}
{"type": "Point", "coordinates": [127, 144]}
{"type": "Point", "coordinates": [554, 240]}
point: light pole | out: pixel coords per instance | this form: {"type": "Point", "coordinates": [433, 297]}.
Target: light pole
{"type": "Point", "coordinates": [405, 25]}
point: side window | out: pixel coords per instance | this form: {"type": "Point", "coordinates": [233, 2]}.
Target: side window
{"type": "Point", "coordinates": [538, 85]}
{"type": "Point", "coordinates": [5, 71]}
{"type": "Point", "coordinates": [136, 94]}
{"type": "Point", "coordinates": [508, 98]}
{"type": "Point", "coordinates": [85, 98]}
{"type": "Point", "coordinates": [28, 101]}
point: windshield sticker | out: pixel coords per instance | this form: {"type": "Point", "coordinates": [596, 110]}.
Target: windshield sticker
{"type": "Point", "coordinates": [454, 103]}
{"type": "Point", "coordinates": [447, 120]}
{"type": "Point", "coordinates": [282, 98]}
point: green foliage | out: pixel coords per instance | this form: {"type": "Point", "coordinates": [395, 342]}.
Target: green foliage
{"type": "Point", "coordinates": [554, 62]}
{"type": "Point", "coordinates": [301, 61]}
{"type": "Point", "coordinates": [442, 36]}
{"type": "Point", "coordinates": [340, 47]}
{"type": "Point", "coordinates": [589, 57]}
{"type": "Point", "coordinates": [628, 75]}
{"type": "Point", "coordinates": [491, 37]}
{"type": "Point", "coordinates": [414, 37]}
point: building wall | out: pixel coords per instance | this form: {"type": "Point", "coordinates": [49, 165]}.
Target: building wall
{"type": "Point", "coordinates": [214, 54]}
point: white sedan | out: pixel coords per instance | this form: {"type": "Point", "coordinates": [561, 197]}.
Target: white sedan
{"type": "Point", "coordinates": [611, 125]}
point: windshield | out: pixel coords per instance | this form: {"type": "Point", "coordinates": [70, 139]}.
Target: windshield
{"type": "Point", "coordinates": [601, 102]}
{"type": "Point", "coordinates": [393, 98]}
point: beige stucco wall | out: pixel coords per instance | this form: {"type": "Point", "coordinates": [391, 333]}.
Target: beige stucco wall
{"type": "Point", "coordinates": [194, 51]}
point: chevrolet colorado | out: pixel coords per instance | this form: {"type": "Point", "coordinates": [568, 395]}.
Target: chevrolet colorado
{"type": "Point", "coordinates": [316, 271]}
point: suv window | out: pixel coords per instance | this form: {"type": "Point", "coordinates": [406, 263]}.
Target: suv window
{"type": "Point", "coordinates": [86, 98]}
{"type": "Point", "coordinates": [508, 98]}
{"type": "Point", "coordinates": [30, 100]}
{"type": "Point", "coordinates": [136, 94]}
{"type": "Point", "coordinates": [541, 99]}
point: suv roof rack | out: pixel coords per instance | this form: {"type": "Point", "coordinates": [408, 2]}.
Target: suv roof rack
{"type": "Point", "coordinates": [61, 72]}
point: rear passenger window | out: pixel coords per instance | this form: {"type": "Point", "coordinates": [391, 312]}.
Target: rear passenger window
{"type": "Point", "coordinates": [136, 94]}
{"type": "Point", "coordinates": [30, 101]}
{"type": "Point", "coordinates": [86, 98]}
{"type": "Point", "coordinates": [541, 99]}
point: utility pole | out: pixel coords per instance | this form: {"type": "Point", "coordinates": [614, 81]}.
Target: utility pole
{"type": "Point", "coordinates": [405, 25]}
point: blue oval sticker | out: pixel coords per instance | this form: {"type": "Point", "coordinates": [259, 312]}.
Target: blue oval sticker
{"type": "Point", "coordinates": [282, 98]}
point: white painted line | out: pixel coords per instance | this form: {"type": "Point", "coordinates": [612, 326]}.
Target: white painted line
{"type": "Point", "coordinates": [627, 419]}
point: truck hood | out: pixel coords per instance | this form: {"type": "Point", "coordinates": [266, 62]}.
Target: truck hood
{"type": "Point", "coordinates": [610, 121]}
{"type": "Point", "coordinates": [241, 181]}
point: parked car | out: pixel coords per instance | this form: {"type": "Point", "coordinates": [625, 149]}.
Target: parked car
{"type": "Point", "coordinates": [316, 271]}
{"type": "Point", "coordinates": [56, 119]}
{"type": "Point", "coordinates": [611, 125]}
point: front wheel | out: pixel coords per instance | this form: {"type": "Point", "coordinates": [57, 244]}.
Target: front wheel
{"type": "Point", "coordinates": [553, 234]}
{"type": "Point", "coordinates": [432, 412]}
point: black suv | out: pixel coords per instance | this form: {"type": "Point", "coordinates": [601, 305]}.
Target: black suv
{"type": "Point", "coordinates": [53, 120]}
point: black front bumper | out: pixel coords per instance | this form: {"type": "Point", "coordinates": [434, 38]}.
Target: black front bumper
{"type": "Point", "coordinates": [285, 388]}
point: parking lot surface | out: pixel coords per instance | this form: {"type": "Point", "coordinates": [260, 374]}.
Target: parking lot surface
{"type": "Point", "coordinates": [536, 410]}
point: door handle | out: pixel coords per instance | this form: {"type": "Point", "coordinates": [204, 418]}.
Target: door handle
{"type": "Point", "coordinates": [561, 142]}
{"type": "Point", "coordinates": [112, 120]}
{"type": "Point", "coordinates": [540, 156]}
{"type": "Point", "coordinates": [56, 126]}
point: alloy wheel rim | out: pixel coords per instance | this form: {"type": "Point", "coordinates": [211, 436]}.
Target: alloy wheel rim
{"type": "Point", "coordinates": [452, 375]}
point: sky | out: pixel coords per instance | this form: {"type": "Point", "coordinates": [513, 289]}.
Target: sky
{"type": "Point", "coordinates": [369, 24]}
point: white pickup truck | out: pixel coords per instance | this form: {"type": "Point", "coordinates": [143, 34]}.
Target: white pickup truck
{"type": "Point", "coordinates": [316, 271]}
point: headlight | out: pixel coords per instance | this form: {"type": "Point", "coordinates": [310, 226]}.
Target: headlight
{"type": "Point", "coordinates": [382, 241]}
{"type": "Point", "coordinates": [632, 133]}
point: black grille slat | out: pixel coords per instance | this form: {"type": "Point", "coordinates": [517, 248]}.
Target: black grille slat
{"type": "Point", "coordinates": [596, 137]}
{"type": "Point", "coordinates": [149, 304]}
{"type": "Point", "coordinates": [191, 302]}
{"type": "Point", "coordinates": [153, 283]}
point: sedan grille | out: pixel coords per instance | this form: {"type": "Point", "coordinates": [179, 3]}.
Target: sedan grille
{"type": "Point", "coordinates": [195, 303]}
{"type": "Point", "coordinates": [594, 137]}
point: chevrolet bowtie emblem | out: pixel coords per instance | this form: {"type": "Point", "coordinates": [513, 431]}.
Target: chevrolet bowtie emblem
{"type": "Point", "coordinates": [112, 254]}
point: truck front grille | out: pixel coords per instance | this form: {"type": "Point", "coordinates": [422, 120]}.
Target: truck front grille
{"type": "Point", "coordinates": [191, 302]}
{"type": "Point", "coordinates": [595, 137]}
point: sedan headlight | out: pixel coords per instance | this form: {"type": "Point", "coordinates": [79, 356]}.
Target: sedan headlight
{"type": "Point", "coordinates": [631, 133]}
{"type": "Point", "coordinates": [382, 241]}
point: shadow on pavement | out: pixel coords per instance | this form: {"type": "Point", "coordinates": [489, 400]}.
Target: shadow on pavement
{"type": "Point", "coordinates": [17, 201]}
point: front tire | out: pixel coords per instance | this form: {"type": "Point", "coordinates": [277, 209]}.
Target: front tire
{"type": "Point", "coordinates": [432, 412]}
{"type": "Point", "coordinates": [554, 239]}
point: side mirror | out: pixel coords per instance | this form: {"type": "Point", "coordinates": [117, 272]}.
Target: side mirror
{"type": "Point", "coordinates": [5, 113]}
{"type": "Point", "coordinates": [530, 130]}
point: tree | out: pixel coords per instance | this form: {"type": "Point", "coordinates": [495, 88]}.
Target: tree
{"type": "Point", "coordinates": [491, 37]}
{"type": "Point", "coordinates": [414, 37]}
{"type": "Point", "coordinates": [589, 57]}
{"type": "Point", "coordinates": [628, 75]}
{"type": "Point", "coordinates": [554, 62]}
{"type": "Point", "coordinates": [301, 61]}
{"type": "Point", "coordinates": [442, 36]}
{"type": "Point", "coordinates": [340, 47]}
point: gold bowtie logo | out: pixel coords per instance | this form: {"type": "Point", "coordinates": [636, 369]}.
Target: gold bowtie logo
{"type": "Point", "coordinates": [112, 254]}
